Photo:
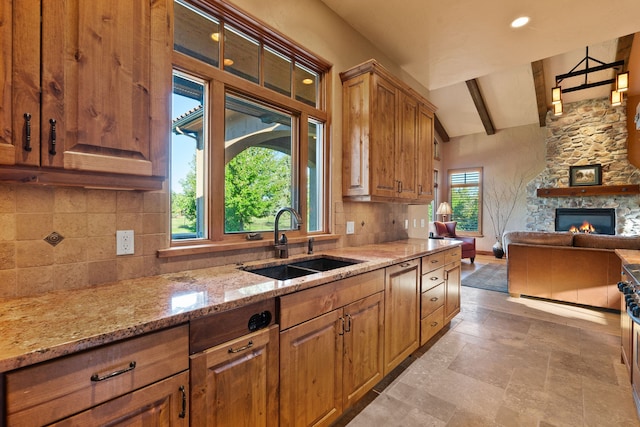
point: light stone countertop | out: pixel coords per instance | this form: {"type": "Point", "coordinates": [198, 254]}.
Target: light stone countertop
{"type": "Point", "coordinates": [35, 329]}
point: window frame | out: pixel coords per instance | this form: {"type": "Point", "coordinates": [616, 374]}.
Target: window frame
{"type": "Point", "coordinates": [221, 82]}
{"type": "Point", "coordinates": [450, 186]}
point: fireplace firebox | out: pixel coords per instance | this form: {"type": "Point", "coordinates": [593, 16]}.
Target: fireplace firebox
{"type": "Point", "coordinates": [601, 220]}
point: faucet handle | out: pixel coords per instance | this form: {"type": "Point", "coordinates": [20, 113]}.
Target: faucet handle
{"type": "Point", "coordinates": [283, 239]}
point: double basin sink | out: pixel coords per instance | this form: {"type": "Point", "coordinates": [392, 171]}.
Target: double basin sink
{"type": "Point", "coordinates": [302, 267]}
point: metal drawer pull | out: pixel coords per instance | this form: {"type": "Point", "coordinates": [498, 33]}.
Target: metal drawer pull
{"type": "Point", "coordinates": [433, 278]}
{"type": "Point", "coordinates": [434, 261]}
{"type": "Point", "coordinates": [238, 350]}
{"type": "Point", "coordinates": [434, 299]}
{"type": "Point", "coordinates": [97, 377]}
{"type": "Point", "coordinates": [405, 264]}
{"type": "Point", "coordinates": [434, 324]}
{"type": "Point", "coordinates": [27, 126]}
{"type": "Point", "coordinates": [183, 414]}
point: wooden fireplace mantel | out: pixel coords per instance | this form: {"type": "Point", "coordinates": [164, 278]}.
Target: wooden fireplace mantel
{"type": "Point", "coordinates": [593, 190]}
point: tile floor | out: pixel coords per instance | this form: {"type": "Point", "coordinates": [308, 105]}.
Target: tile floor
{"type": "Point", "coordinates": [508, 362]}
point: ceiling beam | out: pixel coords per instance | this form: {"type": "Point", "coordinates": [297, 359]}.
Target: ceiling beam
{"type": "Point", "coordinates": [624, 50]}
{"type": "Point", "coordinates": [541, 91]}
{"type": "Point", "coordinates": [474, 91]}
{"type": "Point", "coordinates": [440, 130]}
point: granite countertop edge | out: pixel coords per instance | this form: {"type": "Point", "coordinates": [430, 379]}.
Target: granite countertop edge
{"type": "Point", "coordinates": [40, 328]}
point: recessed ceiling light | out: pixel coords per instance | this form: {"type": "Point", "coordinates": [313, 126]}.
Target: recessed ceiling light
{"type": "Point", "coordinates": [520, 22]}
{"type": "Point", "coordinates": [307, 81]}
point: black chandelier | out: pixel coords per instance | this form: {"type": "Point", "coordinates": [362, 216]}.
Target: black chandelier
{"type": "Point", "coordinates": [621, 81]}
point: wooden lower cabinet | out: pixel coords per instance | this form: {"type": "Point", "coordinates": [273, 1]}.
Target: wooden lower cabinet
{"type": "Point", "coordinates": [236, 383]}
{"type": "Point", "coordinates": [402, 313]}
{"type": "Point", "coordinates": [452, 290]}
{"type": "Point", "coordinates": [330, 361]}
{"type": "Point", "coordinates": [128, 381]}
{"type": "Point", "coordinates": [164, 403]}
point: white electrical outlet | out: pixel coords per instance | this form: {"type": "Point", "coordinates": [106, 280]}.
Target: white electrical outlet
{"type": "Point", "coordinates": [421, 222]}
{"type": "Point", "coordinates": [415, 223]}
{"type": "Point", "coordinates": [124, 242]}
{"type": "Point", "coordinates": [351, 227]}
{"type": "Point", "coordinates": [406, 224]}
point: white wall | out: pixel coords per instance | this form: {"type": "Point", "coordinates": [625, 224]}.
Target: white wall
{"type": "Point", "coordinates": [503, 156]}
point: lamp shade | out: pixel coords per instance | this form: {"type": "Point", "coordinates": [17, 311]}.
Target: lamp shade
{"type": "Point", "coordinates": [556, 95]}
{"type": "Point", "coordinates": [557, 109]}
{"type": "Point", "coordinates": [622, 82]}
{"type": "Point", "coordinates": [444, 209]}
{"type": "Point", "coordinates": [616, 98]}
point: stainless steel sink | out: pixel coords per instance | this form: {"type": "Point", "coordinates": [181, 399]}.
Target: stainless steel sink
{"type": "Point", "coordinates": [302, 267]}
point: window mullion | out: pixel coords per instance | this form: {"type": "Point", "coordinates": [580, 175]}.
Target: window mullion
{"type": "Point", "coordinates": [216, 161]}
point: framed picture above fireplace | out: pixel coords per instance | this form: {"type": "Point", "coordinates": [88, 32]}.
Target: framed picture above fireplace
{"type": "Point", "coordinates": [585, 175]}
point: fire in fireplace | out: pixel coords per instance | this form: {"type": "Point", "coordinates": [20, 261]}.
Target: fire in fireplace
{"type": "Point", "coordinates": [586, 220]}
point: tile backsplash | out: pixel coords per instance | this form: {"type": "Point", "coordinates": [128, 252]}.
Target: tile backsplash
{"type": "Point", "coordinates": [87, 220]}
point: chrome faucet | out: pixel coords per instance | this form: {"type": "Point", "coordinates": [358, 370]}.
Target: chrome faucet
{"type": "Point", "coordinates": [280, 244]}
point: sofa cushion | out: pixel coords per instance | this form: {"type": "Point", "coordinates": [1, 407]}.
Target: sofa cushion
{"type": "Point", "coordinates": [539, 238]}
{"type": "Point", "coordinates": [603, 241]}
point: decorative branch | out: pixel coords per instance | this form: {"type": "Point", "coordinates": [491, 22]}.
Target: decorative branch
{"type": "Point", "coordinates": [500, 201]}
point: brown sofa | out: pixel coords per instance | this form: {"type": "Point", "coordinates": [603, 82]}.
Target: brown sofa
{"type": "Point", "coordinates": [576, 268]}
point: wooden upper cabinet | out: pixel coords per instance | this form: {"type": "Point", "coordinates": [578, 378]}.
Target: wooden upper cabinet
{"type": "Point", "coordinates": [425, 154]}
{"type": "Point", "coordinates": [387, 138]}
{"type": "Point", "coordinates": [95, 79]}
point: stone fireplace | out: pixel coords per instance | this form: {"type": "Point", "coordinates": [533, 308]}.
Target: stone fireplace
{"type": "Point", "coordinates": [589, 132]}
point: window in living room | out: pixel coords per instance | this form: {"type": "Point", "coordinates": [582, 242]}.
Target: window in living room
{"type": "Point", "coordinates": [249, 117]}
{"type": "Point", "coordinates": [465, 194]}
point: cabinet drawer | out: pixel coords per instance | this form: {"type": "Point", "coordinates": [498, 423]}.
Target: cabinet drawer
{"type": "Point", "coordinates": [431, 262]}
{"type": "Point", "coordinates": [49, 391]}
{"type": "Point", "coordinates": [431, 325]}
{"type": "Point", "coordinates": [432, 278]}
{"type": "Point", "coordinates": [452, 255]}
{"type": "Point", "coordinates": [304, 305]}
{"type": "Point", "coordinates": [432, 300]}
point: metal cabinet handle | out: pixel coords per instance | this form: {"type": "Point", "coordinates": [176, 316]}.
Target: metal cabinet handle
{"type": "Point", "coordinates": [348, 323]}
{"type": "Point", "coordinates": [434, 324]}
{"type": "Point", "coordinates": [52, 150]}
{"type": "Point", "coordinates": [183, 413]}
{"type": "Point", "coordinates": [341, 319]}
{"type": "Point", "coordinates": [434, 299]}
{"type": "Point", "coordinates": [433, 278]}
{"type": "Point", "coordinates": [243, 348]}
{"type": "Point", "coordinates": [405, 264]}
{"type": "Point", "coordinates": [420, 188]}
{"type": "Point", "coordinates": [27, 128]}
{"type": "Point", "coordinates": [97, 377]}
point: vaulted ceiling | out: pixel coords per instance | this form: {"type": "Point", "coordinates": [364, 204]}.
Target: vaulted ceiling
{"type": "Point", "coordinates": [460, 48]}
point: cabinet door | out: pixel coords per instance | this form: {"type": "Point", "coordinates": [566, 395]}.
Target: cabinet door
{"type": "Point", "coordinates": [236, 383]}
{"type": "Point", "coordinates": [311, 371]}
{"type": "Point", "coordinates": [20, 82]}
{"type": "Point", "coordinates": [402, 315]}
{"type": "Point", "coordinates": [407, 147]}
{"type": "Point", "coordinates": [356, 131]}
{"type": "Point", "coordinates": [363, 350]}
{"type": "Point", "coordinates": [382, 140]}
{"type": "Point", "coordinates": [106, 82]}
{"type": "Point", "coordinates": [164, 403]}
{"type": "Point", "coordinates": [452, 292]}
{"type": "Point", "coordinates": [425, 154]}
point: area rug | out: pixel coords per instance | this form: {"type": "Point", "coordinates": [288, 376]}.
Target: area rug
{"type": "Point", "coordinates": [492, 277]}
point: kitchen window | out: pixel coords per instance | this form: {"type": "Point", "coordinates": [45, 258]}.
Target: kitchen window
{"type": "Point", "coordinates": [465, 194]}
{"type": "Point", "coordinates": [248, 131]}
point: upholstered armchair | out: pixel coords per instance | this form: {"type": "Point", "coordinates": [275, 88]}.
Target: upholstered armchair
{"type": "Point", "coordinates": [447, 230]}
